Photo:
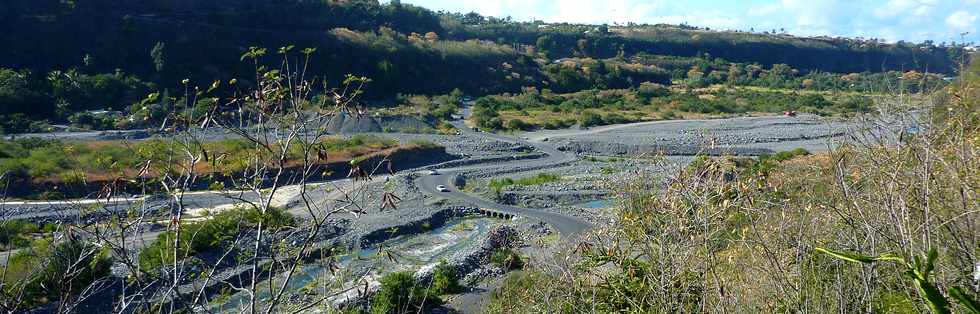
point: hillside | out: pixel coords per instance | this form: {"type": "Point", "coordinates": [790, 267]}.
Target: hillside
{"type": "Point", "coordinates": [100, 54]}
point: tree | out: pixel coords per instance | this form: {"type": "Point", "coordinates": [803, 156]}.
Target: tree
{"type": "Point", "coordinates": [17, 95]}
{"type": "Point", "coordinates": [57, 272]}
{"type": "Point", "coordinates": [431, 36]}
{"type": "Point", "coordinates": [546, 45]}
{"type": "Point", "coordinates": [583, 47]}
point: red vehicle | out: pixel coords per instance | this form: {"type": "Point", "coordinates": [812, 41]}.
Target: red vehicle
{"type": "Point", "coordinates": [789, 113]}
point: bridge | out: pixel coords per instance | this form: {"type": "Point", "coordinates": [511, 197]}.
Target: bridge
{"type": "Point", "coordinates": [495, 213]}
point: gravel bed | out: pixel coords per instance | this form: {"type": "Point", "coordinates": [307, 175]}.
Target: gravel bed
{"type": "Point", "coordinates": [741, 136]}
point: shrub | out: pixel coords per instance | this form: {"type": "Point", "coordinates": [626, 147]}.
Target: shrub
{"type": "Point", "coordinates": [784, 155]}
{"type": "Point", "coordinates": [202, 236]}
{"type": "Point", "coordinates": [444, 280]}
{"type": "Point", "coordinates": [20, 123]}
{"type": "Point", "coordinates": [47, 271]}
{"type": "Point", "coordinates": [648, 90]}
{"type": "Point", "coordinates": [492, 124]}
{"type": "Point", "coordinates": [89, 121]}
{"type": "Point", "coordinates": [518, 290]}
{"type": "Point", "coordinates": [540, 178]}
{"type": "Point", "coordinates": [507, 258]}
{"type": "Point", "coordinates": [589, 119]}
{"type": "Point", "coordinates": [669, 115]}
{"type": "Point", "coordinates": [555, 124]}
{"type": "Point", "coordinates": [16, 233]}
{"type": "Point", "coordinates": [615, 118]}
{"type": "Point", "coordinates": [518, 125]}
{"type": "Point", "coordinates": [400, 294]}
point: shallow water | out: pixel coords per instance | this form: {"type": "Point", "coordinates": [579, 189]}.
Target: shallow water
{"type": "Point", "coordinates": [408, 252]}
{"type": "Point", "coordinates": [598, 204]}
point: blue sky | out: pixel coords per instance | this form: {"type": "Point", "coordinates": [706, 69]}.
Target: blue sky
{"type": "Point", "coordinates": [892, 20]}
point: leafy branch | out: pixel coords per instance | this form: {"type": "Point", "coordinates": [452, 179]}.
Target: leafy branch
{"type": "Point", "coordinates": [919, 272]}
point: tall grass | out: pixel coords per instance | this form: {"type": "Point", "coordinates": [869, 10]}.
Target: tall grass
{"type": "Point", "coordinates": [539, 179]}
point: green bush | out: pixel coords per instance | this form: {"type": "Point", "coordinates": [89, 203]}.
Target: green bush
{"type": "Point", "coordinates": [400, 294]}
{"type": "Point", "coordinates": [444, 280]}
{"type": "Point", "coordinates": [518, 125]}
{"type": "Point", "coordinates": [540, 178]}
{"type": "Point", "coordinates": [21, 123]}
{"type": "Point", "coordinates": [555, 124]}
{"type": "Point", "coordinates": [202, 236]}
{"type": "Point", "coordinates": [89, 121]}
{"type": "Point", "coordinates": [615, 118]}
{"type": "Point", "coordinates": [648, 90]}
{"type": "Point", "coordinates": [590, 119]}
{"type": "Point", "coordinates": [46, 271]}
{"type": "Point", "coordinates": [784, 155]}
{"type": "Point", "coordinates": [16, 233]}
{"type": "Point", "coordinates": [507, 259]}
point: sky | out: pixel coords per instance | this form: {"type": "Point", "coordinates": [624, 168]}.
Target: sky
{"type": "Point", "coordinates": [892, 20]}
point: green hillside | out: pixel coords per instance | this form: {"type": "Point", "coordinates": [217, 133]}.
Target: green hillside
{"type": "Point", "coordinates": [62, 57]}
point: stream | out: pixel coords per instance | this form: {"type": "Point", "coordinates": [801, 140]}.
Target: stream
{"type": "Point", "coordinates": [407, 253]}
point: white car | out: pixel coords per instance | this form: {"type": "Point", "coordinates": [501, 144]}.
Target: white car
{"type": "Point", "coordinates": [434, 172]}
{"type": "Point", "coordinates": [442, 188]}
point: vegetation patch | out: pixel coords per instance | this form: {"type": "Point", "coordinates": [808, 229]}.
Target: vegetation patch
{"type": "Point", "coordinates": [539, 179]}
{"type": "Point", "coordinates": [198, 237]}
{"type": "Point", "coordinates": [507, 259]}
{"type": "Point", "coordinates": [77, 163]}
{"type": "Point", "coordinates": [19, 233]}
{"type": "Point", "coordinates": [438, 108]}
{"type": "Point", "coordinates": [48, 271]}
{"type": "Point", "coordinates": [399, 293]}
{"type": "Point", "coordinates": [445, 280]}
{"type": "Point", "coordinates": [543, 109]}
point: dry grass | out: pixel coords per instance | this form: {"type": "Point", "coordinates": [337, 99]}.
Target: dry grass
{"type": "Point", "coordinates": [729, 236]}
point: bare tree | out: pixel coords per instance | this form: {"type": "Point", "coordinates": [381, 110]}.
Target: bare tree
{"type": "Point", "coordinates": [281, 127]}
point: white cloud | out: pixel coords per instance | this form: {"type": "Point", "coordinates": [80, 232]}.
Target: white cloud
{"type": "Point", "coordinates": [600, 11]}
{"type": "Point", "coordinates": [961, 21]}
{"type": "Point", "coordinates": [712, 19]}
{"type": "Point", "coordinates": [893, 20]}
{"type": "Point", "coordinates": [896, 8]}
